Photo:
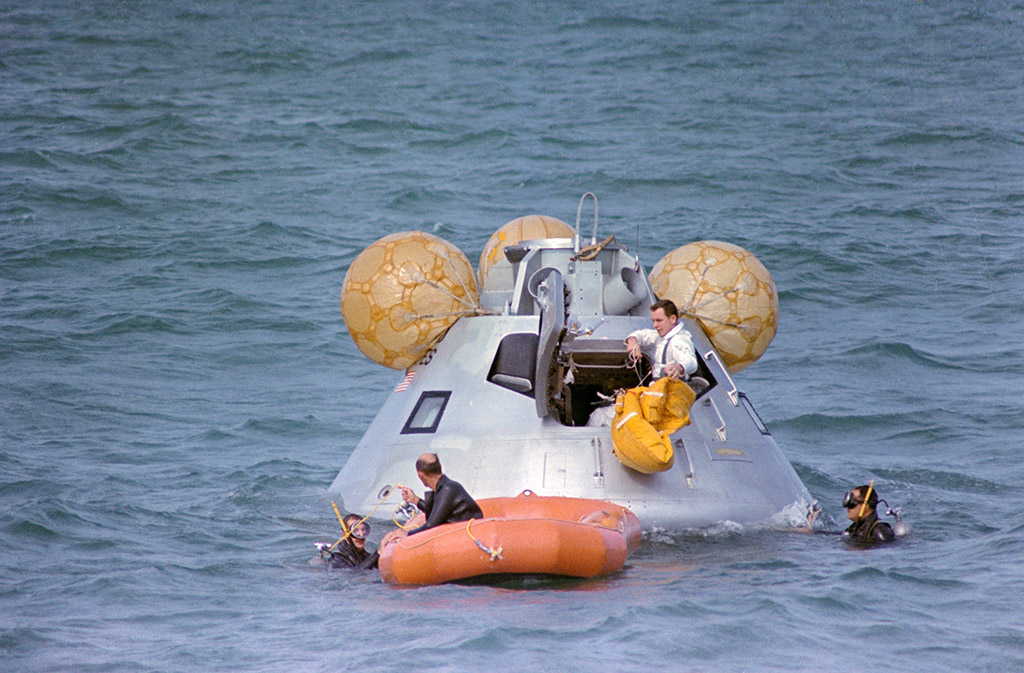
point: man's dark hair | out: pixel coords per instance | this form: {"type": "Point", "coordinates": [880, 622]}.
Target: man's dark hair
{"type": "Point", "coordinates": [428, 464]}
{"type": "Point", "coordinates": [353, 521]}
{"type": "Point", "coordinates": [666, 305]}
{"type": "Point", "coordinates": [861, 491]}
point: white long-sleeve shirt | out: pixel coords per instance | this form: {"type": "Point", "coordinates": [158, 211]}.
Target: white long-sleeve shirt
{"type": "Point", "coordinates": [676, 346]}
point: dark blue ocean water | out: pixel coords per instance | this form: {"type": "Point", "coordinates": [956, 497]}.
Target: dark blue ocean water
{"type": "Point", "coordinates": [183, 185]}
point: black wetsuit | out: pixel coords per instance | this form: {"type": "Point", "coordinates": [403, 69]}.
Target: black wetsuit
{"type": "Point", "coordinates": [347, 555]}
{"type": "Point", "coordinates": [870, 529]}
{"type": "Point", "coordinates": [370, 562]}
{"type": "Point", "coordinates": [448, 502]}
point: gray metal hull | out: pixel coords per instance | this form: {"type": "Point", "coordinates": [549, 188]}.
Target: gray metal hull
{"type": "Point", "coordinates": [493, 439]}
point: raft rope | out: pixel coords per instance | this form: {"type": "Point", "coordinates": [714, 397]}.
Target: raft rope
{"type": "Point", "coordinates": [344, 528]}
{"type": "Point", "coordinates": [641, 378]}
{"type": "Point", "coordinates": [495, 554]}
{"type": "Point", "coordinates": [472, 310]}
{"type": "Point", "coordinates": [458, 314]}
{"type": "Point", "coordinates": [420, 278]}
{"type": "Point", "coordinates": [458, 275]}
{"type": "Point", "coordinates": [591, 251]}
{"type": "Point", "coordinates": [696, 287]}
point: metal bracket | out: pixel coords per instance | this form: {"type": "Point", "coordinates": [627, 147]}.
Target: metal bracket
{"type": "Point", "coordinates": [733, 391]}
{"type": "Point", "coordinates": [681, 448]}
{"type": "Point", "coordinates": [720, 430]}
{"type": "Point", "coordinates": [598, 463]}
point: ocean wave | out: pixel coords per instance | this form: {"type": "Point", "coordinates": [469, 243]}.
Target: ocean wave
{"type": "Point", "coordinates": [946, 481]}
{"type": "Point", "coordinates": [38, 254]}
{"type": "Point", "coordinates": [35, 159]}
{"type": "Point", "coordinates": [489, 140]}
{"type": "Point", "coordinates": [420, 197]}
{"type": "Point", "coordinates": [122, 323]}
{"type": "Point", "coordinates": [25, 487]}
{"type": "Point", "coordinates": [947, 136]}
{"type": "Point", "coordinates": [31, 530]}
{"type": "Point", "coordinates": [24, 640]}
{"type": "Point", "coordinates": [821, 423]}
{"type": "Point", "coordinates": [196, 15]}
{"type": "Point", "coordinates": [395, 124]}
{"type": "Point", "coordinates": [615, 21]}
{"type": "Point", "coordinates": [283, 427]}
{"type": "Point", "coordinates": [881, 352]}
{"type": "Point", "coordinates": [263, 60]}
{"type": "Point", "coordinates": [378, 56]}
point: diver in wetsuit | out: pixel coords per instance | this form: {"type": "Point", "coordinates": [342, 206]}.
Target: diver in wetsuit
{"type": "Point", "coordinates": [860, 506]}
{"type": "Point", "coordinates": [447, 501]}
{"type": "Point", "coordinates": [351, 552]}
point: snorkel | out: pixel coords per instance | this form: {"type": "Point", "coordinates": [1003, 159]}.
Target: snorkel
{"type": "Point", "coordinates": [325, 548]}
{"type": "Point", "coordinates": [867, 496]}
{"type": "Point", "coordinates": [852, 501]}
{"type": "Point", "coordinates": [345, 529]}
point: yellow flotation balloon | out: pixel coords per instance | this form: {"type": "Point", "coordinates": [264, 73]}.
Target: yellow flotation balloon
{"type": "Point", "coordinates": [402, 292]}
{"type": "Point", "coordinates": [728, 291]}
{"type": "Point", "coordinates": [526, 228]}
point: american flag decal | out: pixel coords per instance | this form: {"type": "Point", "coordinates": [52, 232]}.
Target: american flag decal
{"type": "Point", "coordinates": [405, 382]}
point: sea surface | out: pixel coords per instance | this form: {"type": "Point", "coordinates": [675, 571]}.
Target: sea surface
{"type": "Point", "coordinates": [184, 184]}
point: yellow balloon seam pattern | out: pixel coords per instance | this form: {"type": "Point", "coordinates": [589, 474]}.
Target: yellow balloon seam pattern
{"type": "Point", "coordinates": [402, 293]}
{"type": "Point", "coordinates": [728, 291]}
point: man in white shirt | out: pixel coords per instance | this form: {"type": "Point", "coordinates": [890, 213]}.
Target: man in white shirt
{"type": "Point", "coordinates": [674, 355]}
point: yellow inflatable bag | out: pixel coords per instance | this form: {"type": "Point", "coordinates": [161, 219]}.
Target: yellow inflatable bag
{"type": "Point", "coordinates": [645, 418]}
{"type": "Point", "coordinates": [676, 402]}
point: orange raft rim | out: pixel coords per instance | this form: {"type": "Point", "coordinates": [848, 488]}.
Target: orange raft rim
{"type": "Point", "coordinates": [526, 534]}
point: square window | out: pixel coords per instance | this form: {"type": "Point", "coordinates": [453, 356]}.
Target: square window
{"type": "Point", "coordinates": [426, 415]}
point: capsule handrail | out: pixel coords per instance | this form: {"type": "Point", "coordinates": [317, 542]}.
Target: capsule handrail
{"type": "Point", "coordinates": [720, 430]}
{"type": "Point", "coordinates": [733, 391]}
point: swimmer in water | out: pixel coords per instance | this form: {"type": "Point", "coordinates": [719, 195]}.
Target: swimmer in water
{"type": "Point", "coordinates": [351, 551]}
{"type": "Point", "coordinates": [860, 504]}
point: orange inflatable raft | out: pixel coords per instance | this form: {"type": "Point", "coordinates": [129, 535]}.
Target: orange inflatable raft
{"type": "Point", "coordinates": [527, 534]}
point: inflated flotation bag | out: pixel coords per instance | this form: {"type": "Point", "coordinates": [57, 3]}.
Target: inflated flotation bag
{"type": "Point", "coordinates": [528, 534]}
{"type": "Point", "coordinates": [403, 292]}
{"type": "Point", "coordinates": [728, 291]}
{"type": "Point", "coordinates": [645, 418]}
{"type": "Point", "coordinates": [520, 229]}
